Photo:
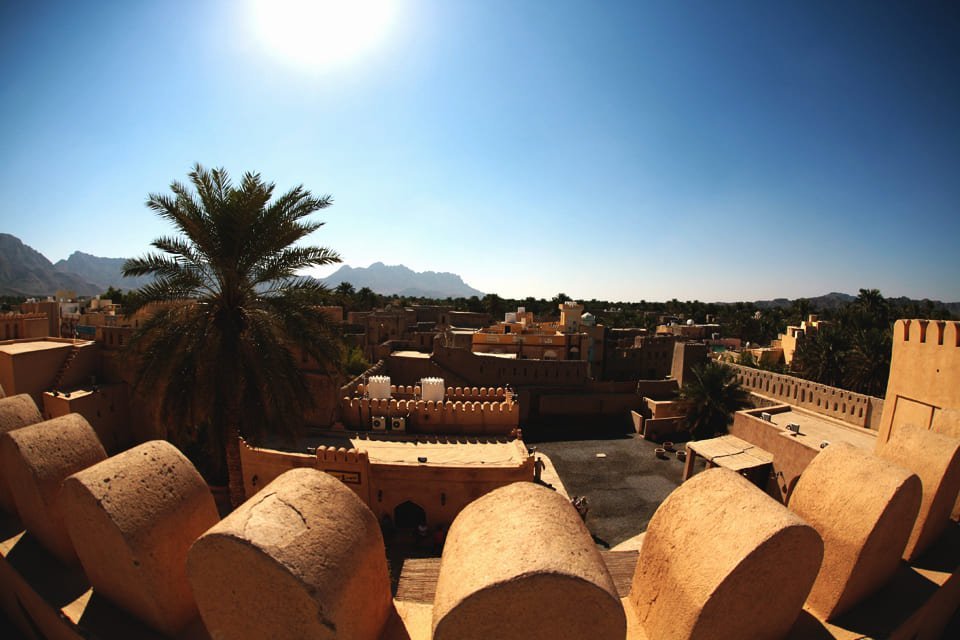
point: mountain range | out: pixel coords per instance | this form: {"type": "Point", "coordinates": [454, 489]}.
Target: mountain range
{"type": "Point", "coordinates": [403, 281]}
{"type": "Point", "coordinates": [24, 271]}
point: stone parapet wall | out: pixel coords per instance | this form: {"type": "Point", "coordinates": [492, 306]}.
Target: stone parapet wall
{"type": "Point", "coordinates": [853, 408]}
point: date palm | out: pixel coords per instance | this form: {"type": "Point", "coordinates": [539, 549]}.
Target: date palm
{"type": "Point", "coordinates": [712, 395]}
{"type": "Point", "coordinates": [231, 316]}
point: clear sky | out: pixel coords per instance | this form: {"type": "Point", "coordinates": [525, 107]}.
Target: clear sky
{"type": "Point", "coordinates": [624, 151]}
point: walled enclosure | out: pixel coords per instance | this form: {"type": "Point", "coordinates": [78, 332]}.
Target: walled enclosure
{"type": "Point", "coordinates": [514, 562]}
{"type": "Point", "coordinates": [716, 547]}
{"type": "Point", "coordinates": [442, 493]}
{"type": "Point", "coordinates": [302, 559]}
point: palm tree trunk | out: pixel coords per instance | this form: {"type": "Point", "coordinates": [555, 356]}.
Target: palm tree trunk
{"type": "Point", "coordinates": [234, 468]}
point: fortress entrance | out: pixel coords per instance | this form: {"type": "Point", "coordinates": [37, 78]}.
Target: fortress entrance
{"type": "Point", "coordinates": [409, 515]}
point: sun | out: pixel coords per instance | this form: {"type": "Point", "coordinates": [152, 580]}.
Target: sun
{"type": "Point", "coordinates": [320, 33]}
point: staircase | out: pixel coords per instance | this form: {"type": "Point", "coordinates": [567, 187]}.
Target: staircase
{"type": "Point", "coordinates": [65, 366]}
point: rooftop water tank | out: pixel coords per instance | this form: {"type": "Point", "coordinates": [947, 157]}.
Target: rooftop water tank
{"type": "Point", "coordinates": [432, 389]}
{"type": "Point", "coordinates": [378, 387]}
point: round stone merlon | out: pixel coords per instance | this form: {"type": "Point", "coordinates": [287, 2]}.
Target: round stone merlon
{"type": "Point", "coordinates": [36, 459]}
{"type": "Point", "coordinates": [715, 548]}
{"type": "Point", "coordinates": [864, 525]}
{"type": "Point", "coordinates": [15, 412]}
{"type": "Point", "coordinates": [303, 558]}
{"type": "Point", "coordinates": [520, 563]}
{"type": "Point", "coordinates": [132, 519]}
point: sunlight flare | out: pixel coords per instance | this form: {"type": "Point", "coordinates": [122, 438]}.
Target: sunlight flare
{"type": "Point", "coordinates": [320, 33]}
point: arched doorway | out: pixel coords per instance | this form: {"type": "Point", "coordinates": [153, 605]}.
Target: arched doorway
{"type": "Point", "coordinates": [409, 515]}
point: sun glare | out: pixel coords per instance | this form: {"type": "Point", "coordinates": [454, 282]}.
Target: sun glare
{"type": "Point", "coordinates": [320, 33]}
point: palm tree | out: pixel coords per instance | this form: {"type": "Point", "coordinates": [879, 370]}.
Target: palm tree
{"type": "Point", "coordinates": [820, 356]}
{"type": "Point", "coordinates": [712, 395]}
{"type": "Point", "coordinates": [230, 311]}
{"type": "Point", "coordinates": [867, 366]}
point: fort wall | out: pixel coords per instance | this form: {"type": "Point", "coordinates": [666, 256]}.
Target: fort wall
{"type": "Point", "coordinates": [924, 385]}
{"type": "Point", "coordinates": [853, 408]}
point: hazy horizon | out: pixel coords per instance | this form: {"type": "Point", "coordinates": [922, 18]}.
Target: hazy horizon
{"type": "Point", "coordinates": [618, 151]}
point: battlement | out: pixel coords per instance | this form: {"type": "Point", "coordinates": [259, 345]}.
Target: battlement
{"type": "Point", "coordinates": [447, 417]}
{"type": "Point", "coordinates": [157, 558]}
{"type": "Point", "coordinates": [924, 385]}
{"type": "Point", "coordinates": [931, 333]}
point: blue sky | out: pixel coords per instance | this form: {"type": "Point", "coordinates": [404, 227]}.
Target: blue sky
{"type": "Point", "coordinates": [623, 151]}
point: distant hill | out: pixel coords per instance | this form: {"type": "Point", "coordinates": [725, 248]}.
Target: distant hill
{"type": "Point", "coordinates": [835, 300]}
{"type": "Point", "coordinates": [103, 272]}
{"type": "Point", "coordinates": [26, 272]}
{"type": "Point", "coordinates": [829, 301]}
{"type": "Point", "coordinates": [403, 281]}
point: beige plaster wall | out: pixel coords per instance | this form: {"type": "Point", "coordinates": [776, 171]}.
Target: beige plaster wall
{"type": "Point", "coordinates": [924, 374]}
{"type": "Point", "coordinates": [790, 458]}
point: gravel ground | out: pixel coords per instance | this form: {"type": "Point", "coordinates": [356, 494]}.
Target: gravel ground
{"type": "Point", "coordinates": [623, 488]}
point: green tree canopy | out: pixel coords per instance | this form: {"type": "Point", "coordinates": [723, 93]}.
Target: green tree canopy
{"type": "Point", "coordinates": [713, 395]}
{"type": "Point", "coordinates": [231, 316]}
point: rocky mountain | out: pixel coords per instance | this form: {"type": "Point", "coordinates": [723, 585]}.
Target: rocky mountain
{"type": "Point", "coordinates": [103, 272]}
{"type": "Point", "coordinates": [403, 281]}
{"type": "Point", "coordinates": [26, 272]}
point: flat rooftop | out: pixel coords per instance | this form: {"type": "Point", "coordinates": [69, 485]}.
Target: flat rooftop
{"type": "Point", "coordinates": [411, 354]}
{"type": "Point", "coordinates": [815, 428]}
{"type": "Point", "coordinates": [14, 348]}
{"type": "Point", "coordinates": [440, 451]}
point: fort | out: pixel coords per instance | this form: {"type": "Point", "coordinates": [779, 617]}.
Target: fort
{"type": "Point", "coordinates": [848, 533]}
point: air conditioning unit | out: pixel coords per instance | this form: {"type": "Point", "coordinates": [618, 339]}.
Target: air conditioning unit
{"type": "Point", "coordinates": [379, 423]}
{"type": "Point", "coordinates": [398, 424]}
{"type": "Point", "coordinates": [766, 417]}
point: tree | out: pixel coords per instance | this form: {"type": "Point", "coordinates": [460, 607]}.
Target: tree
{"type": "Point", "coordinates": [712, 395]}
{"type": "Point", "coordinates": [494, 305]}
{"type": "Point", "coordinates": [820, 356]}
{"type": "Point", "coordinates": [114, 295]}
{"type": "Point", "coordinates": [230, 311]}
{"type": "Point", "coordinates": [867, 365]}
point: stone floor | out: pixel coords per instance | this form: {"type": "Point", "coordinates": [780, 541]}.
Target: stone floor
{"type": "Point", "coordinates": [622, 478]}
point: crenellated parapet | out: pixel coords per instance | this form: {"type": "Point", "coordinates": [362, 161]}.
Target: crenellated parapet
{"type": "Point", "coordinates": [449, 417]}
{"type": "Point", "coordinates": [924, 384]}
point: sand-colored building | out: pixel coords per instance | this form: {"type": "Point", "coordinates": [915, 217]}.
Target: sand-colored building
{"type": "Point", "coordinates": [793, 335]}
